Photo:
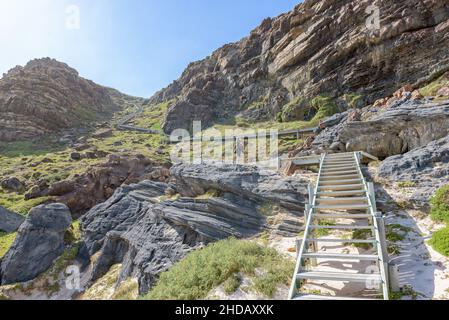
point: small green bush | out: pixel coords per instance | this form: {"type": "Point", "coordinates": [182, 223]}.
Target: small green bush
{"type": "Point", "coordinates": [440, 212]}
{"type": "Point", "coordinates": [232, 284]}
{"type": "Point", "coordinates": [440, 205]}
{"type": "Point", "coordinates": [325, 107]}
{"type": "Point", "coordinates": [202, 270]}
{"type": "Point", "coordinates": [440, 241]}
{"type": "Point", "coordinates": [432, 88]}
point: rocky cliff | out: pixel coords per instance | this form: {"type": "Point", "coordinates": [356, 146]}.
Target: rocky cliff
{"type": "Point", "coordinates": [45, 96]}
{"type": "Point", "coordinates": [320, 47]}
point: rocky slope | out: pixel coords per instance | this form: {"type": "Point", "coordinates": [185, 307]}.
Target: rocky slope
{"type": "Point", "coordinates": [147, 232]}
{"type": "Point", "coordinates": [45, 96]}
{"type": "Point", "coordinates": [139, 229]}
{"type": "Point", "coordinates": [320, 47]}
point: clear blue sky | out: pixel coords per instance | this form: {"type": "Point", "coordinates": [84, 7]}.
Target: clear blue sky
{"type": "Point", "coordinates": [136, 46]}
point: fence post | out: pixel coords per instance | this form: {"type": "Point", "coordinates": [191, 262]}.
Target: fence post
{"type": "Point", "coordinates": [384, 246]}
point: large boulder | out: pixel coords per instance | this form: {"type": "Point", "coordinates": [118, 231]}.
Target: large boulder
{"type": "Point", "coordinates": [12, 184]}
{"type": "Point", "coordinates": [397, 130]}
{"type": "Point", "coordinates": [9, 221]}
{"type": "Point", "coordinates": [40, 240]}
{"type": "Point", "coordinates": [403, 125]}
{"type": "Point", "coordinates": [427, 167]}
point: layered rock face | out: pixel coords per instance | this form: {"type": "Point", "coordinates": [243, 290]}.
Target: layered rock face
{"type": "Point", "coordinates": [47, 95]}
{"type": "Point", "coordinates": [147, 232]}
{"type": "Point", "coordinates": [321, 47]}
{"type": "Point", "coordinates": [39, 242]}
{"type": "Point", "coordinates": [402, 127]}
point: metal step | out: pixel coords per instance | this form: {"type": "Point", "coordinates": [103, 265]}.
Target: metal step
{"type": "Point", "coordinates": [348, 206]}
{"type": "Point", "coordinates": [338, 276]}
{"type": "Point", "coordinates": [339, 164]}
{"type": "Point", "coordinates": [341, 187]}
{"type": "Point", "coordinates": [340, 193]}
{"type": "Point", "coordinates": [336, 256]}
{"type": "Point", "coordinates": [327, 169]}
{"type": "Point", "coordinates": [339, 182]}
{"type": "Point", "coordinates": [342, 200]}
{"type": "Point", "coordinates": [312, 297]}
{"type": "Point", "coordinates": [328, 177]}
{"type": "Point", "coordinates": [340, 158]}
{"type": "Point", "coordinates": [342, 172]}
{"type": "Point", "coordinates": [349, 241]}
{"type": "Point", "coordinates": [342, 227]}
{"type": "Point", "coordinates": [342, 216]}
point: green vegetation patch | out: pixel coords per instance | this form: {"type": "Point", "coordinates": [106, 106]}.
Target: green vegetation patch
{"type": "Point", "coordinates": [407, 291]}
{"type": "Point", "coordinates": [325, 107]}
{"type": "Point", "coordinates": [440, 205]}
{"type": "Point", "coordinates": [6, 241]}
{"type": "Point", "coordinates": [202, 270]}
{"type": "Point", "coordinates": [297, 108]}
{"type": "Point", "coordinates": [440, 241]}
{"type": "Point", "coordinates": [153, 116]}
{"type": "Point", "coordinates": [440, 212]}
{"type": "Point", "coordinates": [432, 88]}
{"type": "Point", "coordinates": [232, 284]}
{"type": "Point", "coordinates": [128, 290]}
{"type": "Point", "coordinates": [73, 235]}
{"type": "Point", "coordinates": [407, 184]}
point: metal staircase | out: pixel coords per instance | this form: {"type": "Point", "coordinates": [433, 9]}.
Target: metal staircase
{"type": "Point", "coordinates": [341, 194]}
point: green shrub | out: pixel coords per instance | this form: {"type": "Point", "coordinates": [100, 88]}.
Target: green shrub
{"type": "Point", "coordinates": [202, 270]}
{"type": "Point", "coordinates": [232, 284]}
{"type": "Point", "coordinates": [325, 107]}
{"type": "Point", "coordinates": [440, 212]}
{"type": "Point", "coordinates": [440, 241]}
{"type": "Point", "coordinates": [440, 205]}
{"type": "Point", "coordinates": [432, 88]}
{"type": "Point", "coordinates": [294, 110]}
{"type": "Point", "coordinates": [354, 100]}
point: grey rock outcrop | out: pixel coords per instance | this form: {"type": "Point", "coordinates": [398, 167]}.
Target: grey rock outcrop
{"type": "Point", "coordinates": [9, 221]}
{"type": "Point", "coordinates": [397, 129]}
{"type": "Point", "coordinates": [427, 167]}
{"type": "Point", "coordinates": [40, 240]}
{"type": "Point", "coordinates": [250, 182]}
{"type": "Point", "coordinates": [147, 233]}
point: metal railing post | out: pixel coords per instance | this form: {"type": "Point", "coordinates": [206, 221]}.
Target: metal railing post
{"type": "Point", "coordinates": [383, 235]}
